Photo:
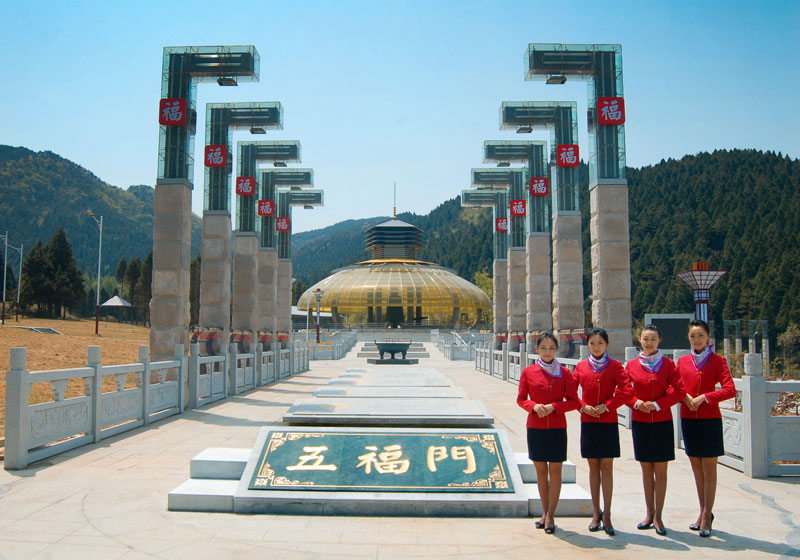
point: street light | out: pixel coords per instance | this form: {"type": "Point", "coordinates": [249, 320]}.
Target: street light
{"type": "Point", "coordinates": [318, 294]}
{"type": "Point", "coordinates": [99, 256]}
{"type": "Point", "coordinates": [19, 276]}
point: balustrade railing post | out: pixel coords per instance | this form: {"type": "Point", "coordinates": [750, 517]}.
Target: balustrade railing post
{"type": "Point", "coordinates": [233, 364]}
{"type": "Point", "coordinates": [93, 362]}
{"type": "Point", "coordinates": [505, 361]}
{"type": "Point", "coordinates": [490, 353]}
{"type": "Point", "coordinates": [180, 357]}
{"type": "Point", "coordinates": [17, 391]}
{"type": "Point", "coordinates": [257, 364]}
{"type": "Point", "coordinates": [144, 359]}
{"type": "Point", "coordinates": [755, 417]}
{"type": "Point", "coordinates": [194, 373]}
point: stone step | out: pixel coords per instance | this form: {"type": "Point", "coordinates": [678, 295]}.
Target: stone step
{"type": "Point", "coordinates": [222, 463]}
{"type": "Point", "coordinates": [207, 495]}
{"type": "Point", "coordinates": [528, 471]}
{"type": "Point", "coordinates": [574, 501]}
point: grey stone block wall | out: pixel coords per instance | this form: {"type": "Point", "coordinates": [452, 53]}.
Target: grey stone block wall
{"type": "Point", "coordinates": [215, 271]}
{"type": "Point", "coordinates": [245, 280]}
{"type": "Point", "coordinates": [283, 308]}
{"type": "Point", "coordinates": [567, 271]}
{"type": "Point", "coordinates": [267, 293]}
{"type": "Point", "coordinates": [539, 315]}
{"type": "Point", "coordinates": [611, 268]}
{"type": "Point", "coordinates": [500, 288]}
{"type": "Point", "coordinates": [517, 297]}
{"type": "Point", "coordinates": [172, 231]}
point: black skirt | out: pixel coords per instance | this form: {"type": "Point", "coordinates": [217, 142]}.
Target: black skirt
{"type": "Point", "coordinates": [599, 440]}
{"type": "Point", "coordinates": [548, 445]}
{"type": "Point", "coordinates": [653, 442]}
{"type": "Point", "coordinates": [702, 437]}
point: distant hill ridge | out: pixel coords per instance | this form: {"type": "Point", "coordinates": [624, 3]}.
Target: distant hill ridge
{"type": "Point", "coordinates": [737, 209]}
{"type": "Point", "coordinates": [41, 191]}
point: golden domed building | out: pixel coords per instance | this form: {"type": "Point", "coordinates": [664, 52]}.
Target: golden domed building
{"type": "Point", "coordinates": [395, 289]}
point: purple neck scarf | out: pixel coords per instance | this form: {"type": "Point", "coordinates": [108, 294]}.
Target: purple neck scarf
{"type": "Point", "coordinates": [598, 364]}
{"type": "Point", "coordinates": [553, 369]}
{"type": "Point", "coordinates": [701, 359]}
{"type": "Point", "coordinates": [651, 363]}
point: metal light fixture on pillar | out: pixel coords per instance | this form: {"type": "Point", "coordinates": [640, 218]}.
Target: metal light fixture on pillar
{"type": "Point", "coordinates": [99, 257]}
{"type": "Point", "coordinates": [701, 279]}
{"type": "Point", "coordinates": [318, 296]}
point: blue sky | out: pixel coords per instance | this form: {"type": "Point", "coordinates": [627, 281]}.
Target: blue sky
{"type": "Point", "coordinates": [378, 92]}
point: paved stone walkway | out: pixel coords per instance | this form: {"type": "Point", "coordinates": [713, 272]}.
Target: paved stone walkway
{"type": "Point", "coordinates": [109, 500]}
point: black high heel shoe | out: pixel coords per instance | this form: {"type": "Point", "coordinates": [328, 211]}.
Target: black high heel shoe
{"type": "Point", "coordinates": [696, 526]}
{"type": "Point", "coordinates": [643, 526]}
{"type": "Point", "coordinates": [595, 528]}
{"type": "Point", "coordinates": [550, 530]}
{"type": "Point", "coordinates": [662, 531]}
{"type": "Point", "coordinates": [704, 533]}
{"type": "Point", "coordinates": [538, 524]}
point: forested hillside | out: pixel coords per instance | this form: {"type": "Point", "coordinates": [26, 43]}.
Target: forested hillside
{"type": "Point", "coordinates": [738, 209]}
{"type": "Point", "coordinates": [41, 192]}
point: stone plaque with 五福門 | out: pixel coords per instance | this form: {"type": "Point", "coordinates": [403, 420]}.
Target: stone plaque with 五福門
{"type": "Point", "coordinates": [390, 461]}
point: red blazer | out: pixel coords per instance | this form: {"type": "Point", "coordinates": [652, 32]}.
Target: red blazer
{"type": "Point", "coordinates": [610, 387]}
{"type": "Point", "coordinates": [704, 382]}
{"type": "Point", "coordinates": [664, 388]}
{"type": "Point", "coordinates": [537, 387]}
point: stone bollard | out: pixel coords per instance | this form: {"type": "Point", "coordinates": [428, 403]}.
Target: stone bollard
{"type": "Point", "coordinates": [631, 352]}
{"type": "Point", "coordinates": [755, 416]}
{"type": "Point", "coordinates": [584, 352]}
{"type": "Point", "coordinates": [17, 392]}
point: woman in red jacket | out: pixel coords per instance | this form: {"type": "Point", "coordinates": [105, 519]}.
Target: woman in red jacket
{"type": "Point", "coordinates": [605, 387]}
{"type": "Point", "coordinates": [547, 391]}
{"type": "Point", "coordinates": [701, 420]}
{"type": "Point", "coordinates": [656, 387]}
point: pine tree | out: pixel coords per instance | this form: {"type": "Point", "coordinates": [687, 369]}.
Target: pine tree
{"type": "Point", "coordinates": [142, 291]}
{"type": "Point", "coordinates": [132, 272]}
{"type": "Point", "coordinates": [68, 279]}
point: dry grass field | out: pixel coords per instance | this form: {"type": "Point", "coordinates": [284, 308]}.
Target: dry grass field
{"type": "Point", "coordinates": [119, 344]}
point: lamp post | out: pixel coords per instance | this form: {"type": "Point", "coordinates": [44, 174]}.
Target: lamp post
{"type": "Point", "coordinates": [99, 257]}
{"type": "Point", "coordinates": [5, 265]}
{"type": "Point", "coordinates": [318, 295]}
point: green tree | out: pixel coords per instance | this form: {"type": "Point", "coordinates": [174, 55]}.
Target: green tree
{"type": "Point", "coordinates": [789, 343]}
{"type": "Point", "coordinates": [132, 272]}
{"type": "Point", "coordinates": [68, 289]}
{"type": "Point", "coordinates": [483, 280]}
{"type": "Point", "coordinates": [297, 290]}
{"type": "Point", "coordinates": [122, 268]}
{"type": "Point", "coordinates": [142, 291]}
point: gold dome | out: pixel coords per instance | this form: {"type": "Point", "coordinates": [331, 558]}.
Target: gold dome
{"type": "Point", "coordinates": [399, 291]}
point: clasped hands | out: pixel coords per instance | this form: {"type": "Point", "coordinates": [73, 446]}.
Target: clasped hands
{"type": "Point", "coordinates": [646, 406]}
{"type": "Point", "coordinates": [594, 411]}
{"type": "Point", "coordinates": [543, 410]}
{"type": "Point", "coordinates": [694, 402]}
